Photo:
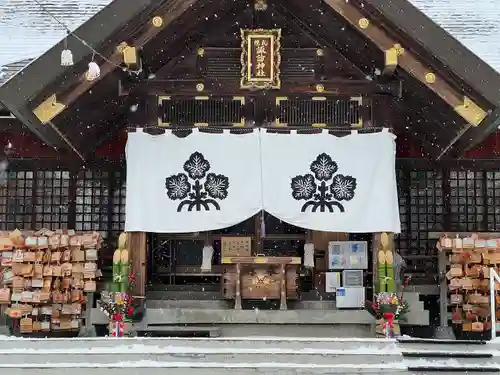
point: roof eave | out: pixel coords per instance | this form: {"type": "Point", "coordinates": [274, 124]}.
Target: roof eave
{"type": "Point", "coordinates": [94, 32]}
{"type": "Point", "coordinates": [461, 61]}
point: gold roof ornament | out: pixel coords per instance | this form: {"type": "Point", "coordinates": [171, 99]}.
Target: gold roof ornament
{"type": "Point", "coordinates": [260, 5]}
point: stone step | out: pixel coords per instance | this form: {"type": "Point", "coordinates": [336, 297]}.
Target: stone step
{"type": "Point", "coordinates": [183, 295]}
{"type": "Point", "coordinates": [448, 362]}
{"type": "Point", "coordinates": [182, 368]}
{"type": "Point", "coordinates": [263, 356]}
{"type": "Point", "coordinates": [152, 344]}
{"type": "Point", "coordinates": [227, 356]}
{"type": "Point", "coordinates": [315, 305]}
{"type": "Point", "coordinates": [178, 316]}
{"type": "Point", "coordinates": [193, 304]}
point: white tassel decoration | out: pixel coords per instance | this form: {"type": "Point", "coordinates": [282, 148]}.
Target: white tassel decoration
{"type": "Point", "coordinates": [66, 57]}
{"type": "Point", "coordinates": [309, 255]}
{"type": "Point", "coordinates": [208, 253]}
{"type": "Point", "coordinates": [94, 71]}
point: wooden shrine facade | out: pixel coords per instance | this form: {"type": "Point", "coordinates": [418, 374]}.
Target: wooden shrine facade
{"type": "Point", "coordinates": [459, 196]}
{"type": "Point", "coordinates": [186, 63]}
{"type": "Point", "coordinates": [269, 63]}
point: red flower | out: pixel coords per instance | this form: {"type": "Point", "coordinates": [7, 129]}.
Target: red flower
{"type": "Point", "coordinates": [407, 281]}
{"type": "Point", "coordinates": [130, 311]}
{"type": "Point", "coordinates": [389, 316]}
{"type": "Point", "coordinates": [117, 317]}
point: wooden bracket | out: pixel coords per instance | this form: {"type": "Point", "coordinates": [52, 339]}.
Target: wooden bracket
{"type": "Point", "coordinates": [48, 109]}
{"type": "Point", "coordinates": [407, 60]}
{"type": "Point", "coordinates": [471, 112]}
{"type": "Point", "coordinates": [391, 59]}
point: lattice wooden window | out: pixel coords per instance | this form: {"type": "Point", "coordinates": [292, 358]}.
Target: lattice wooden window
{"type": "Point", "coordinates": [3, 200]}
{"type": "Point", "coordinates": [493, 200]}
{"type": "Point", "coordinates": [467, 200]}
{"type": "Point", "coordinates": [299, 64]}
{"type": "Point", "coordinates": [319, 111]}
{"type": "Point", "coordinates": [52, 199]}
{"type": "Point", "coordinates": [426, 214]}
{"type": "Point", "coordinates": [201, 111]}
{"type": "Point", "coordinates": [280, 248]}
{"type": "Point", "coordinates": [403, 239]}
{"type": "Point", "coordinates": [275, 226]}
{"type": "Point", "coordinates": [19, 198]}
{"type": "Point", "coordinates": [92, 201]}
{"type": "Point", "coordinates": [246, 227]}
{"type": "Point", "coordinates": [118, 203]}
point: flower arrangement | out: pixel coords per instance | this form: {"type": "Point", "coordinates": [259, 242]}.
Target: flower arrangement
{"type": "Point", "coordinates": [116, 305]}
{"type": "Point", "coordinates": [120, 307]}
{"type": "Point", "coordinates": [388, 303]}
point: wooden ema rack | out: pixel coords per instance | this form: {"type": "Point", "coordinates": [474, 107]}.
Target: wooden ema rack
{"type": "Point", "coordinates": [45, 276]}
{"type": "Point", "coordinates": [469, 260]}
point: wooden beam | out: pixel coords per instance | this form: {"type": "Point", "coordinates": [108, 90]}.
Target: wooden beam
{"type": "Point", "coordinates": [148, 31]}
{"type": "Point", "coordinates": [137, 249]}
{"type": "Point", "coordinates": [232, 87]}
{"type": "Point", "coordinates": [188, 42]}
{"type": "Point", "coordinates": [297, 23]}
{"type": "Point", "coordinates": [406, 59]}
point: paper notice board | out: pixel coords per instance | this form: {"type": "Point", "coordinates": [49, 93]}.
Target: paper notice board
{"type": "Point", "coordinates": [347, 255]}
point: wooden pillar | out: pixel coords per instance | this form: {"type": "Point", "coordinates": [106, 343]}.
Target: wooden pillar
{"type": "Point", "coordinates": [137, 248]}
{"type": "Point", "coordinates": [375, 249]}
{"type": "Point", "coordinates": [283, 305]}
{"type": "Point", "coordinates": [237, 300]}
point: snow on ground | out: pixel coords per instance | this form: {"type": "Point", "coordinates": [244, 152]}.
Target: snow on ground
{"type": "Point", "coordinates": [259, 338]}
{"type": "Point", "coordinates": [149, 364]}
{"type": "Point", "coordinates": [147, 349]}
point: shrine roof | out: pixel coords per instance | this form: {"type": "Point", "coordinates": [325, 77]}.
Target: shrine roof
{"type": "Point", "coordinates": [451, 39]}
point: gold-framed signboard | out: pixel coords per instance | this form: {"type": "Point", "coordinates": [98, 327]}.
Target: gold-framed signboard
{"type": "Point", "coordinates": [260, 58]}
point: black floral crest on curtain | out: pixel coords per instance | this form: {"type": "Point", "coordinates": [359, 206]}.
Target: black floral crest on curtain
{"type": "Point", "coordinates": [323, 189]}
{"type": "Point", "coordinates": [197, 189]}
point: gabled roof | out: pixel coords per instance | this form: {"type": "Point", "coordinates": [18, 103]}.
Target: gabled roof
{"type": "Point", "coordinates": [125, 19]}
{"type": "Point", "coordinates": [483, 36]}
{"type": "Point", "coordinates": [473, 23]}
{"type": "Point", "coordinates": [476, 27]}
{"type": "Point", "coordinates": [27, 32]}
{"type": "Point", "coordinates": [478, 23]}
{"type": "Point", "coordinates": [10, 70]}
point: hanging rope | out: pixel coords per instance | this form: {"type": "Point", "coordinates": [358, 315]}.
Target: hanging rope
{"type": "Point", "coordinates": [69, 32]}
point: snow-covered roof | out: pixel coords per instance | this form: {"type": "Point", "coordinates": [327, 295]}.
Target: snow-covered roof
{"type": "Point", "coordinates": [473, 22]}
{"type": "Point", "coordinates": [27, 32]}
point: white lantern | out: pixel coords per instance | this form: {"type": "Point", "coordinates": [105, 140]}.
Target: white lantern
{"type": "Point", "coordinates": [93, 72]}
{"type": "Point", "coordinates": [66, 57]}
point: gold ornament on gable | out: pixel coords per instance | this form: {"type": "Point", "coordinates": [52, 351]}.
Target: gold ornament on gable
{"type": "Point", "coordinates": [260, 59]}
